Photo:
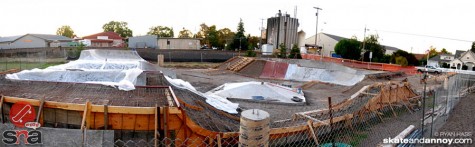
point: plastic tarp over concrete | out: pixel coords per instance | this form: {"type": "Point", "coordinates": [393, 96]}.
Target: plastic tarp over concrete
{"type": "Point", "coordinates": [275, 70]}
{"type": "Point", "coordinates": [248, 90]}
{"type": "Point", "coordinates": [217, 102]}
{"type": "Point", "coordinates": [297, 73]}
{"type": "Point", "coordinates": [119, 68]}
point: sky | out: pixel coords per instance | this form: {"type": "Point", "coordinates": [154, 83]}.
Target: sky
{"type": "Point", "coordinates": [411, 25]}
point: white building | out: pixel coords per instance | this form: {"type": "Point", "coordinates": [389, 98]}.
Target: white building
{"type": "Point", "coordinates": [466, 58]}
{"type": "Point", "coordinates": [328, 41]}
{"type": "Point", "coordinates": [439, 60]}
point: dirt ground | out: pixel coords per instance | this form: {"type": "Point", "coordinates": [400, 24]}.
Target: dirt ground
{"type": "Point", "coordinates": [317, 95]}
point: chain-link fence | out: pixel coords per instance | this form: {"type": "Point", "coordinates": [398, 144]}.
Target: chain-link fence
{"type": "Point", "coordinates": [441, 101]}
{"type": "Point", "coordinates": [32, 58]}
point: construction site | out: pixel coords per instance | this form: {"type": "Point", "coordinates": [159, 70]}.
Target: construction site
{"type": "Point", "coordinates": [116, 98]}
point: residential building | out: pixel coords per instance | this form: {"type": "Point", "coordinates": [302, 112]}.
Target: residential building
{"type": "Point", "coordinates": [462, 58]}
{"type": "Point", "coordinates": [282, 29]}
{"type": "Point", "coordinates": [327, 43]}
{"type": "Point", "coordinates": [104, 39]}
{"type": "Point", "coordinates": [34, 41]}
{"type": "Point", "coordinates": [439, 60]}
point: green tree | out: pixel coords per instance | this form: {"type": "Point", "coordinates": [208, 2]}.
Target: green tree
{"type": "Point", "coordinates": [239, 39]}
{"type": "Point", "coordinates": [410, 58]}
{"type": "Point", "coordinates": [372, 45]}
{"type": "Point", "coordinates": [283, 50]}
{"type": "Point", "coordinates": [65, 31]}
{"type": "Point", "coordinates": [473, 47]}
{"type": "Point", "coordinates": [348, 49]}
{"type": "Point", "coordinates": [250, 51]}
{"type": "Point", "coordinates": [225, 38]}
{"type": "Point", "coordinates": [432, 52]}
{"type": "Point", "coordinates": [212, 36]}
{"type": "Point", "coordinates": [118, 27]}
{"type": "Point", "coordinates": [185, 33]}
{"type": "Point", "coordinates": [444, 51]}
{"type": "Point", "coordinates": [252, 41]}
{"type": "Point", "coordinates": [295, 52]}
{"type": "Point", "coordinates": [161, 31]}
{"type": "Point", "coordinates": [401, 61]}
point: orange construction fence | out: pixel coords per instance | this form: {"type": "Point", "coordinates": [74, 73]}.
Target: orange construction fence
{"type": "Point", "coordinates": [362, 65]}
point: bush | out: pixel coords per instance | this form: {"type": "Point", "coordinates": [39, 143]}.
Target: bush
{"type": "Point", "coordinates": [295, 52]}
{"type": "Point", "coordinates": [250, 53]}
{"type": "Point", "coordinates": [283, 51]}
{"type": "Point", "coordinates": [445, 65]}
{"type": "Point", "coordinates": [401, 61]}
{"type": "Point", "coordinates": [464, 67]}
{"type": "Point", "coordinates": [76, 52]}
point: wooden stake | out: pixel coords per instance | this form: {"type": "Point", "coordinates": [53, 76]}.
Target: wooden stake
{"type": "Point", "coordinates": [219, 140]}
{"type": "Point", "coordinates": [157, 112]}
{"type": "Point", "coordinates": [106, 117]}
{"type": "Point", "coordinates": [40, 109]}
{"type": "Point", "coordinates": [1, 109]}
{"type": "Point", "coordinates": [310, 127]}
{"type": "Point", "coordinates": [84, 115]}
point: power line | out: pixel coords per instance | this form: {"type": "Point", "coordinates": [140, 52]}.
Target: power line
{"type": "Point", "coordinates": [412, 34]}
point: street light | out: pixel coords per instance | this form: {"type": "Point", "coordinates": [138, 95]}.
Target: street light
{"type": "Point", "coordinates": [316, 28]}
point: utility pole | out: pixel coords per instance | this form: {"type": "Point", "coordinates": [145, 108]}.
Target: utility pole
{"type": "Point", "coordinates": [364, 40]}
{"type": "Point", "coordinates": [262, 28]}
{"type": "Point", "coordinates": [316, 30]}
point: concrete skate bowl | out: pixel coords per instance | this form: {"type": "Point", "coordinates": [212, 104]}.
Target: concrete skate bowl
{"type": "Point", "coordinates": [182, 116]}
{"type": "Point", "coordinates": [295, 70]}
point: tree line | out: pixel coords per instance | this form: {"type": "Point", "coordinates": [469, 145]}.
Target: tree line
{"type": "Point", "coordinates": [209, 35]}
{"type": "Point", "coordinates": [353, 49]}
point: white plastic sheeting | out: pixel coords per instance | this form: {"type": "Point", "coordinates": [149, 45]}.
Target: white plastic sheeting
{"type": "Point", "coordinates": [246, 90]}
{"type": "Point", "coordinates": [217, 102]}
{"type": "Point", "coordinates": [297, 73]}
{"type": "Point", "coordinates": [119, 68]}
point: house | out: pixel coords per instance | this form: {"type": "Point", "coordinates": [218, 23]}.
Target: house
{"type": "Point", "coordinates": [104, 39]}
{"type": "Point", "coordinates": [389, 50]}
{"type": "Point", "coordinates": [328, 41]}
{"type": "Point", "coordinates": [439, 60]}
{"type": "Point", "coordinates": [34, 41]}
{"type": "Point", "coordinates": [462, 58]}
{"type": "Point", "coordinates": [153, 41]}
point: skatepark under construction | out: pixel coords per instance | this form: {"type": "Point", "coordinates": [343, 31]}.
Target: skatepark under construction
{"type": "Point", "coordinates": [119, 91]}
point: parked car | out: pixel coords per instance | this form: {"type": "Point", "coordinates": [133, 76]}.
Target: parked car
{"type": "Point", "coordinates": [429, 69]}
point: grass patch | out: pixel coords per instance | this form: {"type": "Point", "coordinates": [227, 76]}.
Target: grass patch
{"type": "Point", "coordinates": [26, 65]}
{"type": "Point", "coordinates": [194, 65]}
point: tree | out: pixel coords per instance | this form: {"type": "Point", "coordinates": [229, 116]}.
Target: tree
{"type": "Point", "coordinates": [118, 27]}
{"type": "Point", "coordinates": [401, 61]}
{"type": "Point", "coordinates": [283, 50]}
{"type": "Point", "coordinates": [250, 52]}
{"type": "Point", "coordinates": [185, 33]}
{"type": "Point", "coordinates": [432, 52]}
{"type": "Point", "coordinates": [411, 59]}
{"type": "Point", "coordinates": [212, 36]}
{"type": "Point", "coordinates": [161, 31]}
{"type": "Point", "coordinates": [372, 45]}
{"type": "Point", "coordinates": [473, 47]}
{"type": "Point", "coordinates": [444, 51]}
{"type": "Point", "coordinates": [65, 31]}
{"type": "Point", "coordinates": [252, 41]}
{"type": "Point", "coordinates": [295, 52]}
{"type": "Point", "coordinates": [348, 49]}
{"type": "Point", "coordinates": [225, 38]}
{"type": "Point", "coordinates": [239, 39]}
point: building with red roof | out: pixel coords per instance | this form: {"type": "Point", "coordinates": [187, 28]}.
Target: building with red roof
{"type": "Point", "coordinates": [104, 39]}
